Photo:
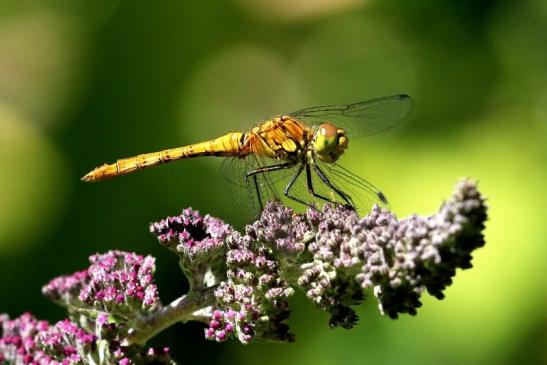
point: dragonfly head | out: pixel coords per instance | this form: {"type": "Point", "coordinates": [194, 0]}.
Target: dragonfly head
{"type": "Point", "coordinates": [329, 142]}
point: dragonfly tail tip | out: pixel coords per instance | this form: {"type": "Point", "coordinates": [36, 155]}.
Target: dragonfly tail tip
{"type": "Point", "coordinates": [89, 177]}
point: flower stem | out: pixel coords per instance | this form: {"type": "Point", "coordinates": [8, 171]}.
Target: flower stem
{"type": "Point", "coordinates": [180, 310]}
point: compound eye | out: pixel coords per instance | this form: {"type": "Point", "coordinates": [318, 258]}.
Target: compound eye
{"type": "Point", "coordinates": [328, 131]}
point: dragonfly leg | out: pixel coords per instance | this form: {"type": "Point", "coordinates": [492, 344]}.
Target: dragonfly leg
{"type": "Point", "coordinates": [310, 186]}
{"type": "Point", "coordinates": [291, 183]}
{"type": "Point", "coordinates": [262, 170]}
{"type": "Point", "coordinates": [327, 182]}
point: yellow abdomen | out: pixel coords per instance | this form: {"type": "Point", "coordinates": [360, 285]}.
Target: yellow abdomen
{"type": "Point", "coordinates": [230, 144]}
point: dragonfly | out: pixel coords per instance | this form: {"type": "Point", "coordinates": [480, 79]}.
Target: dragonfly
{"type": "Point", "coordinates": [301, 149]}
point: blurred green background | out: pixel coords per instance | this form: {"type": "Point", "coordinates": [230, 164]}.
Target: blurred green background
{"type": "Point", "coordinates": [87, 82]}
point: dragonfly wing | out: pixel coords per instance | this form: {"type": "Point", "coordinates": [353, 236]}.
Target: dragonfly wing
{"type": "Point", "coordinates": [364, 118]}
{"type": "Point", "coordinates": [244, 191]}
{"type": "Point", "coordinates": [361, 193]}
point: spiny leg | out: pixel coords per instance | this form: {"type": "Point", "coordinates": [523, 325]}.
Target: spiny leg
{"type": "Point", "coordinates": [262, 170]}
{"type": "Point", "coordinates": [327, 182]}
{"type": "Point", "coordinates": [291, 183]}
{"type": "Point", "coordinates": [310, 186]}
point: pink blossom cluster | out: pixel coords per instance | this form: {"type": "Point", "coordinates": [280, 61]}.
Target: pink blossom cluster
{"type": "Point", "coordinates": [26, 340]}
{"type": "Point", "coordinates": [191, 234]}
{"type": "Point", "coordinates": [115, 282]}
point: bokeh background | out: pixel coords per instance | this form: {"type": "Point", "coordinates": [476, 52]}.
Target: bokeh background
{"type": "Point", "coordinates": [86, 82]}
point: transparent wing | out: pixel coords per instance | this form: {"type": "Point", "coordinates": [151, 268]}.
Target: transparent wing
{"type": "Point", "coordinates": [360, 119]}
{"type": "Point", "coordinates": [361, 193]}
{"type": "Point", "coordinates": [244, 193]}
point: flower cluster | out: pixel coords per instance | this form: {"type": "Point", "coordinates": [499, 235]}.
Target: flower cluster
{"type": "Point", "coordinates": [399, 259]}
{"type": "Point", "coordinates": [334, 255]}
{"type": "Point", "coordinates": [26, 340]}
{"type": "Point", "coordinates": [252, 302]}
{"type": "Point", "coordinates": [191, 234]}
{"type": "Point", "coordinates": [240, 283]}
{"type": "Point", "coordinates": [117, 282]}
{"type": "Point", "coordinates": [199, 242]}
{"type": "Point", "coordinates": [65, 290]}
{"type": "Point", "coordinates": [328, 277]}
{"type": "Point", "coordinates": [121, 283]}
{"type": "Point", "coordinates": [281, 229]}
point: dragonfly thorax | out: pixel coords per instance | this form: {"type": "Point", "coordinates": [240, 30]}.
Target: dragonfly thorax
{"type": "Point", "coordinates": [329, 142]}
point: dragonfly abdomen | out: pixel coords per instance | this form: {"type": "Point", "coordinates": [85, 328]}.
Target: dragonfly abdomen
{"type": "Point", "coordinates": [230, 144]}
